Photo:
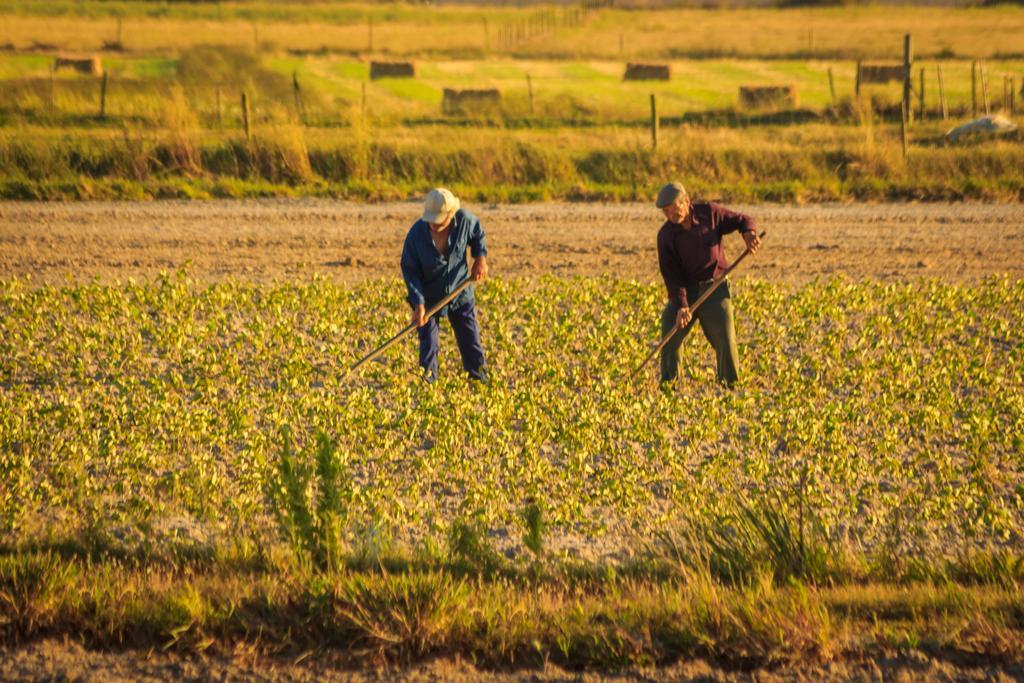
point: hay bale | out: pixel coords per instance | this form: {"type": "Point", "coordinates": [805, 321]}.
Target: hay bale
{"type": "Point", "coordinates": [882, 73]}
{"type": "Point", "coordinates": [647, 72]}
{"type": "Point", "coordinates": [764, 96]}
{"type": "Point", "coordinates": [392, 70]}
{"type": "Point", "coordinates": [92, 66]}
{"type": "Point", "coordinates": [470, 101]}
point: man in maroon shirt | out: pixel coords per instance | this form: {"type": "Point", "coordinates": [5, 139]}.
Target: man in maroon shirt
{"type": "Point", "coordinates": [690, 256]}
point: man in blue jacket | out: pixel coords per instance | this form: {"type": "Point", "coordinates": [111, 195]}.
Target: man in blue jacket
{"type": "Point", "coordinates": [433, 265]}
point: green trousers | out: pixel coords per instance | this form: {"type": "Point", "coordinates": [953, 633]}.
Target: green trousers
{"type": "Point", "coordinates": [716, 321]}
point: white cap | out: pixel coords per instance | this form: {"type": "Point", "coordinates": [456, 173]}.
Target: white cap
{"type": "Point", "coordinates": [438, 204]}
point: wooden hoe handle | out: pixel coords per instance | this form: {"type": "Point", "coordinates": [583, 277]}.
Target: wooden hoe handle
{"type": "Point", "coordinates": [701, 299]}
{"type": "Point", "coordinates": [409, 328]}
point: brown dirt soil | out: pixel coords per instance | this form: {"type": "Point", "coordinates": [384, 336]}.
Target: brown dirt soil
{"type": "Point", "coordinates": [52, 660]}
{"type": "Point", "coordinates": [277, 239]}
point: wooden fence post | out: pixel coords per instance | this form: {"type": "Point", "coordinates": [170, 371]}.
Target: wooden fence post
{"type": "Point", "coordinates": [856, 88]}
{"type": "Point", "coordinates": [984, 86]}
{"type": "Point", "coordinates": [296, 91]}
{"type": "Point", "coordinates": [529, 88]}
{"type": "Point", "coordinates": [974, 89]}
{"type": "Point", "coordinates": [920, 96]}
{"type": "Point", "coordinates": [942, 93]}
{"type": "Point", "coordinates": [654, 122]}
{"type": "Point", "coordinates": [245, 116]}
{"type": "Point", "coordinates": [363, 106]}
{"type": "Point", "coordinates": [1013, 88]}
{"type": "Point", "coordinates": [903, 126]}
{"type": "Point", "coordinates": [908, 60]}
{"type": "Point", "coordinates": [103, 96]}
{"type": "Point", "coordinates": [832, 86]}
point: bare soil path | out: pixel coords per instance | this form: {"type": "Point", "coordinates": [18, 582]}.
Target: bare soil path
{"type": "Point", "coordinates": [52, 660]}
{"type": "Point", "coordinates": [278, 239]}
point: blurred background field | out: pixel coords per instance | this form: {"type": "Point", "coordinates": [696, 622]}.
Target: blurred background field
{"type": "Point", "coordinates": [565, 91]}
{"type": "Point", "coordinates": [483, 30]}
{"type": "Point", "coordinates": [166, 117]}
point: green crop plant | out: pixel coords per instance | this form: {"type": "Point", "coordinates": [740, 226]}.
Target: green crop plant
{"type": "Point", "coordinates": [311, 500]}
{"type": "Point", "coordinates": [535, 527]}
{"type": "Point", "coordinates": [469, 548]}
{"type": "Point", "coordinates": [883, 418]}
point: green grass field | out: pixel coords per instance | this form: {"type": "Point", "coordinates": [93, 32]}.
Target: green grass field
{"type": "Point", "coordinates": [595, 87]}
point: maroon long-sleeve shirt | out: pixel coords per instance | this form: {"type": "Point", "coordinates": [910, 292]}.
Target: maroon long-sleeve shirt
{"type": "Point", "coordinates": [689, 256]}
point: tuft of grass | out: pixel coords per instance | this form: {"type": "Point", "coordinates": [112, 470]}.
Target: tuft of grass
{"type": "Point", "coordinates": [182, 125]}
{"type": "Point", "coordinates": [761, 536]}
{"type": "Point", "coordinates": [758, 621]}
{"type": "Point", "coordinates": [32, 588]}
{"type": "Point", "coordinates": [398, 617]}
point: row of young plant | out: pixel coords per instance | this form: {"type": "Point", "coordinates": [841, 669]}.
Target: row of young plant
{"type": "Point", "coordinates": [877, 432]}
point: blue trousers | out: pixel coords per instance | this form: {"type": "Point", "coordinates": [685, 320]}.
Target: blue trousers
{"type": "Point", "coordinates": [467, 336]}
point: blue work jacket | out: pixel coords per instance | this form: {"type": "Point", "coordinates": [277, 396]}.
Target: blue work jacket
{"type": "Point", "coordinates": [429, 274]}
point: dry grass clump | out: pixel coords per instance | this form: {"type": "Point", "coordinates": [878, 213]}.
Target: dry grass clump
{"type": "Point", "coordinates": [412, 614]}
{"type": "Point", "coordinates": [282, 158]}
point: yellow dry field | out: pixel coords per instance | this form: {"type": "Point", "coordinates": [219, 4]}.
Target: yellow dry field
{"type": "Point", "coordinates": [872, 32]}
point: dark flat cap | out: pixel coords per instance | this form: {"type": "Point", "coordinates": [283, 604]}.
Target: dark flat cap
{"type": "Point", "coordinates": [669, 194]}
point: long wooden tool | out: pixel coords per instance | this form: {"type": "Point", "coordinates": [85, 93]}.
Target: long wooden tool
{"type": "Point", "coordinates": [410, 327]}
{"type": "Point", "coordinates": [701, 299]}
